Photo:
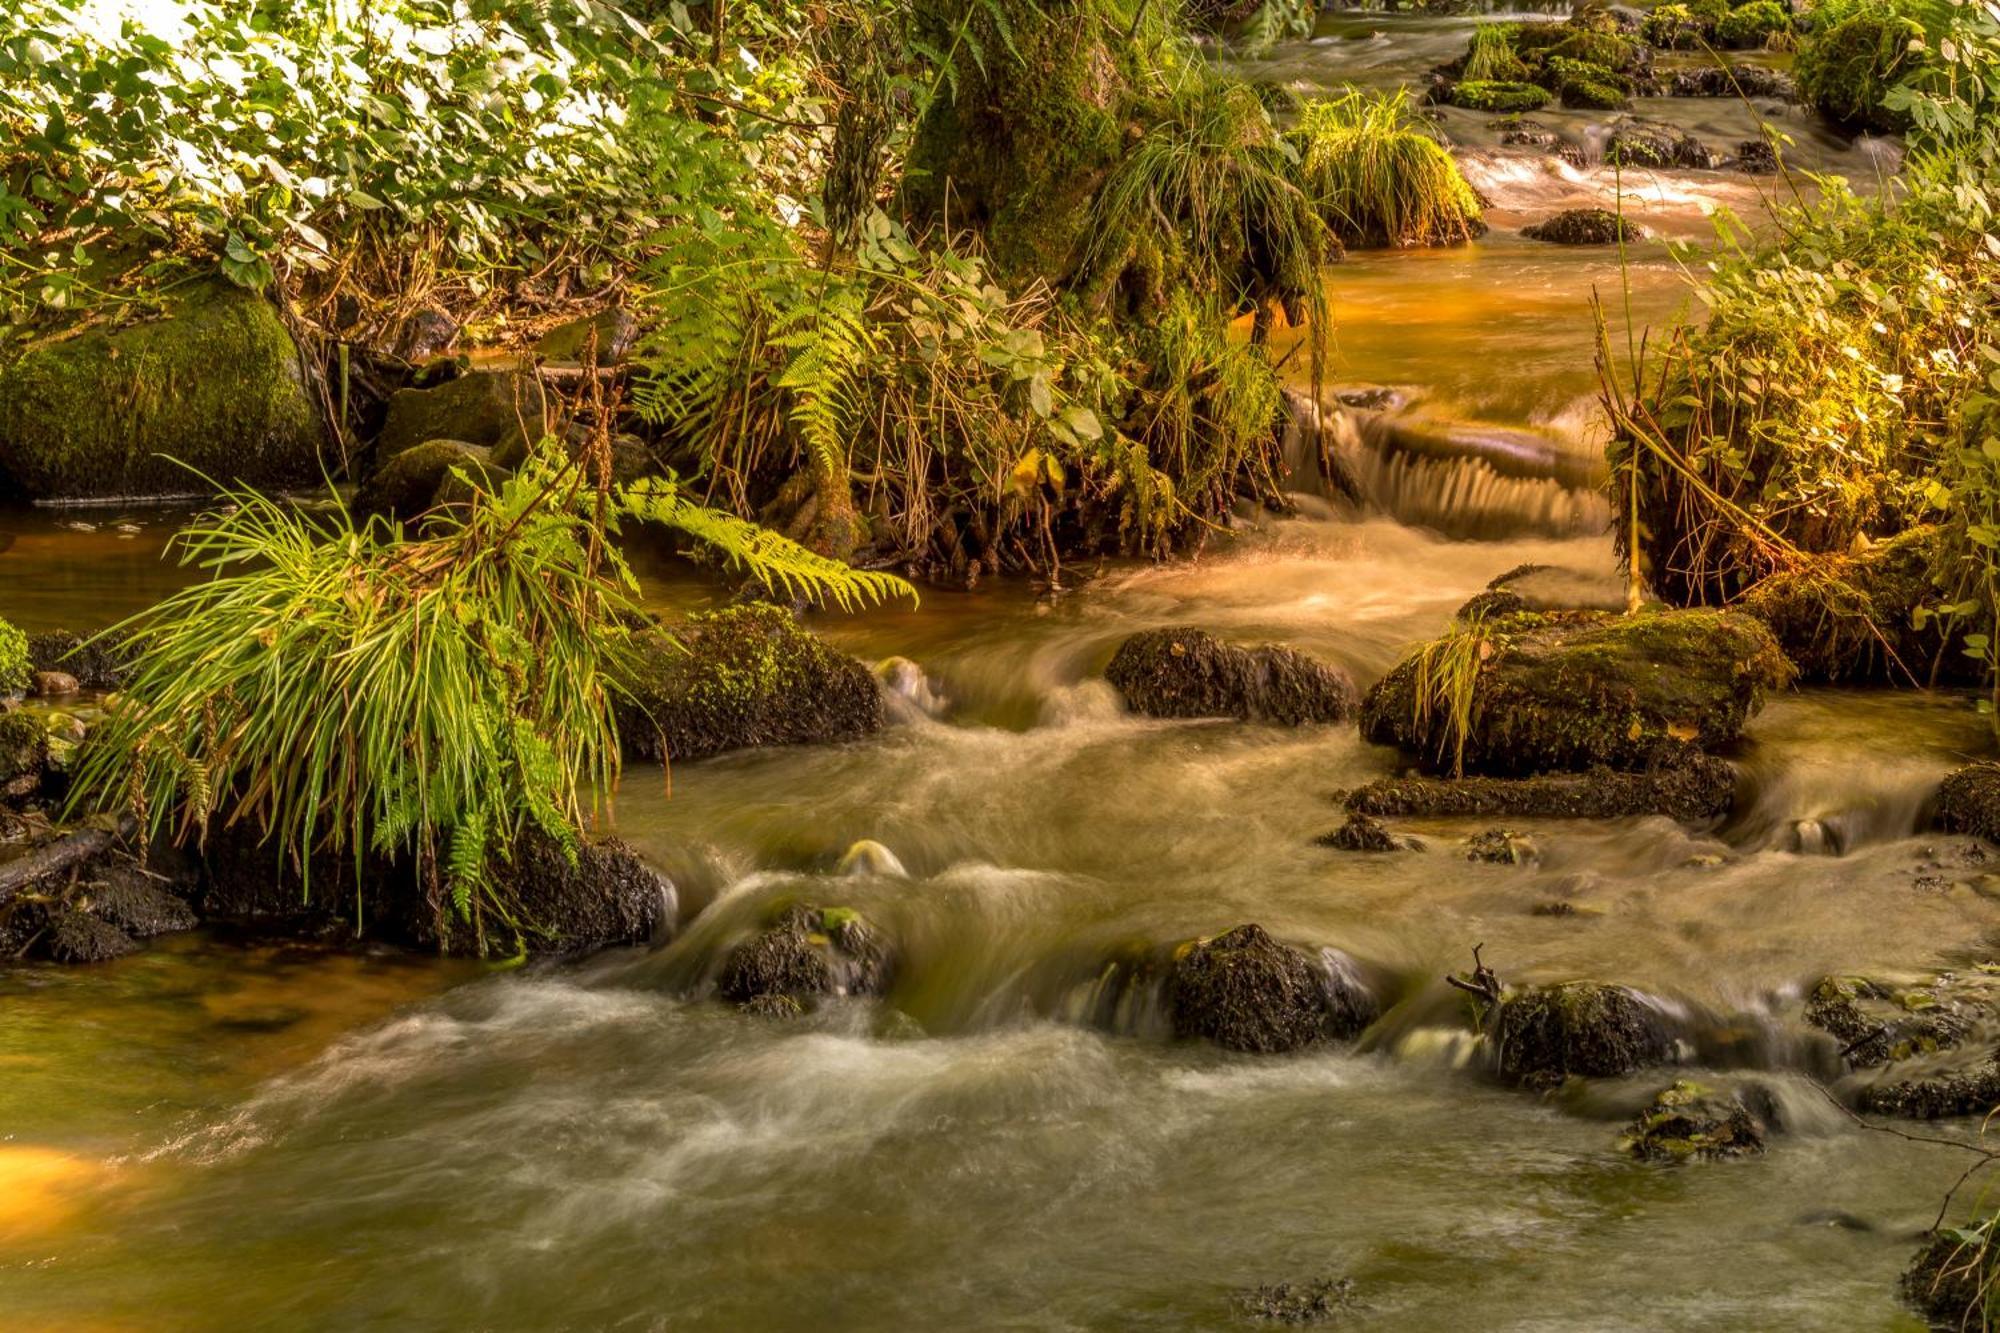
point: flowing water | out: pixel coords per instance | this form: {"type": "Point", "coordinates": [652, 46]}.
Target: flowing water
{"type": "Point", "coordinates": [208, 1136]}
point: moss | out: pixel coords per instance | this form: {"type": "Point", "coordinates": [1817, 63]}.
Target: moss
{"type": "Point", "coordinates": [1845, 71]}
{"type": "Point", "coordinates": [1674, 27]}
{"type": "Point", "coordinates": [1590, 95]}
{"type": "Point", "coordinates": [1020, 145]}
{"type": "Point", "coordinates": [216, 384]}
{"type": "Point", "coordinates": [1480, 95]}
{"type": "Point", "coordinates": [1691, 1122]}
{"type": "Point", "coordinates": [1659, 147]}
{"type": "Point", "coordinates": [1187, 672]}
{"type": "Point", "coordinates": [24, 754]}
{"type": "Point", "coordinates": [1753, 25]}
{"type": "Point", "coordinates": [742, 676]}
{"type": "Point", "coordinates": [1245, 991]}
{"type": "Point", "coordinates": [411, 482]}
{"type": "Point", "coordinates": [804, 954]}
{"type": "Point", "coordinates": [1578, 690]}
{"type": "Point", "coordinates": [1953, 1278]}
{"type": "Point", "coordinates": [14, 661]}
{"type": "Point", "coordinates": [1579, 1028]}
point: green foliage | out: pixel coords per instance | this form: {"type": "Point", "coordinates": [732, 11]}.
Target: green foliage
{"type": "Point", "coordinates": [1444, 679]}
{"type": "Point", "coordinates": [13, 658]}
{"type": "Point", "coordinates": [1675, 27]}
{"type": "Point", "coordinates": [349, 691]}
{"type": "Point", "coordinates": [1491, 58]}
{"type": "Point", "coordinates": [1377, 177]}
{"type": "Point", "coordinates": [1755, 24]}
{"type": "Point", "coordinates": [1475, 95]}
{"type": "Point", "coordinates": [1847, 65]}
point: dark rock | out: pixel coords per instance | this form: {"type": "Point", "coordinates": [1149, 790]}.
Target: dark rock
{"type": "Point", "coordinates": [742, 676]}
{"type": "Point", "coordinates": [1312, 1302]}
{"type": "Point", "coordinates": [1697, 787]}
{"type": "Point", "coordinates": [1185, 672]}
{"type": "Point", "coordinates": [481, 407]}
{"type": "Point", "coordinates": [1734, 81]}
{"type": "Point", "coordinates": [773, 1006]}
{"type": "Point", "coordinates": [97, 662]}
{"type": "Point", "coordinates": [615, 331]}
{"type": "Point", "coordinates": [217, 385]}
{"type": "Point", "coordinates": [1952, 1278]}
{"type": "Point", "coordinates": [1756, 157]}
{"type": "Point", "coordinates": [1362, 834]}
{"type": "Point", "coordinates": [1576, 691]}
{"type": "Point", "coordinates": [1546, 1034]}
{"type": "Point", "coordinates": [631, 457]}
{"type": "Point", "coordinates": [1501, 847]}
{"type": "Point", "coordinates": [24, 755]}
{"type": "Point", "coordinates": [808, 953]}
{"type": "Point", "coordinates": [428, 333]}
{"type": "Point", "coordinates": [1877, 1023]}
{"type": "Point", "coordinates": [410, 483]}
{"type": "Point", "coordinates": [75, 936]}
{"type": "Point", "coordinates": [1969, 801]}
{"type": "Point", "coordinates": [122, 895]}
{"type": "Point", "coordinates": [1934, 1093]}
{"type": "Point", "coordinates": [1585, 226]}
{"type": "Point", "coordinates": [1244, 991]}
{"type": "Point", "coordinates": [1690, 1122]}
{"type": "Point", "coordinates": [1659, 147]}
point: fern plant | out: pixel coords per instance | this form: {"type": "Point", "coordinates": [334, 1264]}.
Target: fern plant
{"type": "Point", "coordinates": [348, 691]}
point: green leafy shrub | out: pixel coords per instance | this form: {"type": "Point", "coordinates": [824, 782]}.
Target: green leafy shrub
{"type": "Point", "coordinates": [1675, 27]}
{"type": "Point", "coordinates": [13, 658]}
{"type": "Point", "coordinates": [1845, 69]}
{"type": "Point", "coordinates": [1477, 96]}
{"type": "Point", "coordinates": [1753, 25]}
{"type": "Point", "coordinates": [1378, 178]}
{"type": "Point", "coordinates": [350, 691]}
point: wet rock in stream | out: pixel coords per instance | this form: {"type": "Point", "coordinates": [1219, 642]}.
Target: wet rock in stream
{"type": "Point", "coordinates": [1877, 1021]}
{"type": "Point", "coordinates": [1951, 1278]}
{"type": "Point", "coordinates": [1969, 801]}
{"type": "Point", "coordinates": [1732, 81]}
{"type": "Point", "coordinates": [1309, 1302]}
{"type": "Point", "coordinates": [1501, 847]}
{"type": "Point", "coordinates": [806, 954]}
{"type": "Point", "coordinates": [1245, 991]}
{"type": "Point", "coordinates": [1575, 691]}
{"type": "Point", "coordinates": [1930, 1089]}
{"type": "Point", "coordinates": [1362, 833]}
{"type": "Point", "coordinates": [1545, 1034]}
{"type": "Point", "coordinates": [1692, 789]}
{"type": "Point", "coordinates": [1659, 147]}
{"type": "Point", "coordinates": [1691, 1122]}
{"type": "Point", "coordinates": [1585, 226]}
{"type": "Point", "coordinates": [95, 662]}
{"type": "Point", "coordinates": [1187, 673]}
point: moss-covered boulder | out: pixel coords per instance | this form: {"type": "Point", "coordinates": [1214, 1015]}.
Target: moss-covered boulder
{"type": "Point", "coordinates": [1545, 1034]}
{"type": "Point", "coordinates": [17, 666]}
{"type": "Point", "coordinates": [1584, 226]}
{"type": "Point", "coordinates": [1534, 693]}
{"type": "Point", "coordinates": [1497, 95]}
{"type": "Point", "coordinates": [1186, 672]}
{"type": "Point", "coordinates": [1863, 617]}
{"type": "Point", "coordinates": [740, 677]}
{"type": "Point", "coordinates": [216, 383]}
{"type": "Point", "coordinates": [1754, 25]}
{"type": "Point", "coordinates": [1954, 1276]}
{"type": "Point", "coordinates": [410, 482]}
{"type": "Point", "coordinates": [1693, 788]}
{"type": "Point", "coordinates": [806, 953]}
{"type": "Point", "coordinates": [1732, 81]}
{"type": "Point", "coordinates": [1969, 801]}
{"type": "Point", "coordinates": [1692, 1122]}
{"type": "Point", "coordinates": [1658, 147]}
{"type": "Point", "coordinates": [1365, 833]}
{"type": "Point", "coordinates": [1878, 1021]}
{"type": "Point", "coordinates": [1245, 991]}
{"type": "Point", "coordinates": [24, 755]}
{"type": "Point", "coordinates": [1846, 70]}
{"type": "Point", "coordinates": [482, 407]}
{"type": "Point", "coordinates": [96, 661]}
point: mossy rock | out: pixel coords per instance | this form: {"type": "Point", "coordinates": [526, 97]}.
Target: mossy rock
{"type": "Point", "coordinates": [97, 662]}
{"type": "Point", "coordinates": [1494, 95]}
{"type": "Point", "coordinates": [1657, 147]}
{"type": "Point", "coordinates": [1953, 1277]}
{"type": "Point", "coordinates": [1245, 991]}
{"type": "Point", "coordinates": [217, 384]}
{"type": "Point", "coordinates": [1585, 226]}
{"type": "Point", "coordinates": [410, 483]}
{"type": "Point", "coordinates": [1877, 1022]}
{"type": "Point", "coordinates": [1365, 833]}
{"type": "Point", "coordinates": [740, 677]}
{"type": "Point", "coordinates": [481, 407]}
{"type": "Point", "coordinates": [1580, 94]}
{"type": "Point", "coordinates": [1854, 618]}
{"type": "Point", "coordinates": [16, 662]}
{"type": "Point", "coordinates": [1690, 1122]}
{"type": "Point", "coordinates": [1969, 801]}
{"type": "Point", "coordinates": [1846, 71]}
{"type": "Point", "coordinates": [1732, 81]}
{"type": "Point", "coordinates": [609, 335]}
{"type": "Point", "coordinates": [1187, 673]}
{"type": "Point", "coordinates": [1675, 28]}
{"type": "Point", "coordinates": [1695, 789]}
{"type": "Point", "coordinates": [75, 936]}
{"type": "Point", "coordinates": [806, 954]}
{"type": "Point", "coordinates": [1572, 692]}
{"type": "Point", "coordinates": [24, 755]}
{"type": "Point", "coordinates": [1753, 25]}
{"type": "Point", "coordinates": [1546, 1034]}
{"type": "Point", "coordinates": [1933, 1092]}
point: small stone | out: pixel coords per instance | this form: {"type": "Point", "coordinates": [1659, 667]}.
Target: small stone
{"type": "Point", "coordinates": [1364, 833]}
{"type": "Point", "coordinates": [77, 937]}
{"type": "Point", "coordinates": [1245, 991]}
{"type": "Point", "coordinates": [51, 683]}
{"type": "Point", "coordinates": [1585, 226]}
{"type": "Point", "coordinates": [1690, 1122]}
{"type": "Point", "coordinates": [1501, 847]}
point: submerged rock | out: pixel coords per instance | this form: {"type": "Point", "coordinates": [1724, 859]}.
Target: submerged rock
{"type": "Point", "coordinates": [1585, 226]}
{"type": "Point", "coordinates": [1546, 1034]}
{"type": "Point", "coordinates": [1540, 693]}
{"type": "Point", "coordinates": [1691, 1122]}
{"type": "Point", "coordinates": [1732, 81]}
{"type": "Point", "coordinates": [1245, 991]}
{"type": "Point", "coordinates": [1364, 834]}
{"type": "Point", "coordinates": [1693, 788]}
{"type": "Point", "coordinates": [739, 677]}
{"type": "Point", "coordinates": [216, 385]}
{"type": "Point", "coordinates": [1501, 847]}
{"type": "Point", "coordinates": [806, 954]}
{"type": "Point", "coordinates": [1310, 1302]}
{"type": "Point", "coordinates": [1659, 147]}
{"type": "Point", "coordinates": [1953, 1276]}
{"type": "Point", "coordinates": [1969, 801]}
{"type": "Point", "coordinates": [1186, 672]}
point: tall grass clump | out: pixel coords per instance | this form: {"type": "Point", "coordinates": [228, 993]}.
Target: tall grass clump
{"type": "Point", "coordinates": [342, 690]}
{"type": "Point", "coordinates": [1379, 179]}
{"type": "Point", "coordinates": [1491, 58]}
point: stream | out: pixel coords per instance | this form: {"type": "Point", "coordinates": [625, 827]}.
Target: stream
{"type": "Point", "coordinates": [208, 1136]}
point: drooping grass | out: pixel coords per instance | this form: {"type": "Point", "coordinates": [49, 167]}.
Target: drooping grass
{"type": "Point", "coordinates": [1378, 178]}
{"type": "Point", "coordinates": [1491, 58]}
{"type": "Point", "coordinates": [1445, 677]}
{"type": "Point", "coordinates": [349, 691]}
